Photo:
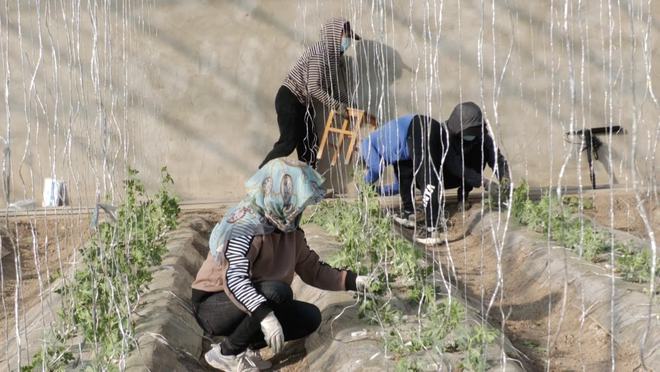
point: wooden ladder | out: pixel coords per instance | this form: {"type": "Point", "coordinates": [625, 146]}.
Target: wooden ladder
{"type": "Point", "coordinates": [355, 117]}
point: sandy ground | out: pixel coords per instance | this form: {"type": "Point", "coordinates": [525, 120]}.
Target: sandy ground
{"type": "Point", "coordinates": [552, 336]}
{"type": "Point", "coordinates": [532, 321]}
{"type": "Point", "coordinates": [41, 249]}
{"type": "Point", "coordinates": [621, 212]}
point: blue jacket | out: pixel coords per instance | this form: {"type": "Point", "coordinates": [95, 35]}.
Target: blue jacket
{"type": "Point", "coordinates": [383, 147]}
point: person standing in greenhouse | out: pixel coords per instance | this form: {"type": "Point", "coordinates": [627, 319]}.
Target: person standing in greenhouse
{"type": "Point", "coordinates": [243, 289]}
{"type": "Point", "coordinates": [433, 155]}
{"type": "Point", "coordinates": [313, 76]}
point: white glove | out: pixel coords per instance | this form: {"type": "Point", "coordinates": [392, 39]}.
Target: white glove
{"type": "Point", "coordinates": [362, 282]}
{"type": "Point", "coordinates": [273, 333]}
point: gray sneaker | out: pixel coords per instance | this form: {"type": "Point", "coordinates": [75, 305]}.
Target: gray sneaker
{"type": "Point", "coordinates": [228, 363]}
{"type": "Point", "coordinates": [430, 236]}
{"type": "Point", "coordinates": [405, 219]}
{"type": "Point", "coordinates": [254, 356]}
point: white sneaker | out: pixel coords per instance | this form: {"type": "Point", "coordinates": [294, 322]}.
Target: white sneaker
{"type": "Point", "coordinates": [405, 219]}
{"type": "Point", "coordinates": [254, 356]}
{"type": "Point", "coordinates": [228, 363]}
{"type": "Point", "coordinates": [430, 236]}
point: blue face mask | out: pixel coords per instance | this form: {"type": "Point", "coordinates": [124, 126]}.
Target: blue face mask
{"type": "Point", "coordinates": [345, 43]}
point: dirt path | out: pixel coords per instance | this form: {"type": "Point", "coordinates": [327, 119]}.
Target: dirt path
{"type": "Point", "coordinates": [40, 249]}
{"type": "Point", "coordinates": [550, 323]}
{"type": "Point", "coordinates": [622, 213]}
{"type": "Point", "coordinates": [550, 332]}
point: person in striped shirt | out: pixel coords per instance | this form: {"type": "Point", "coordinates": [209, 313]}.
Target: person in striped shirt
{"type": "Point", "coordinates": [242, 290]}
{"type": "Point", "coordinates": [315, 75]}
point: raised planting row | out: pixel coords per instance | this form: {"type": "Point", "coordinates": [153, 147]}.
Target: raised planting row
{"type": "Point", "coordinates": [562, 221]}
{"type": "Point", "coordinates": [98, 300]}
{"type": "Point", "coordinates": [423, 325]}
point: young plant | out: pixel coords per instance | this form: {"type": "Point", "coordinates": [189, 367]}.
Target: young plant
{"type": "Point", "coordinates": [408, 365]}
{"type": "Point", "coordinates": [474, 343]}
{"type": "Point", "coordinates": [55, 356]}
{"type": "Point", "coordinates": [369, 245]}
{"type": "Point", "coordinates": [634, 266]}
{"type": "Point", "coordinates": [115, 270]}
{"type": "Point", "coordinates": [442, 319]}
{"type": "Point", "coordinates": [558, 220]}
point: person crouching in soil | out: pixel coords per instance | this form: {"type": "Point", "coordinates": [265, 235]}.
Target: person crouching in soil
{"type": "Point", "coordinates": [243, 289]}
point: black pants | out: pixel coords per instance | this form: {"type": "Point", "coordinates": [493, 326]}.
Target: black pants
{"type": "Point", "coordinates": [426, 143]}
{"type": "Point", "coordinates": [297, 129]}
{"type": "Point", "coordinates": [218, 316]}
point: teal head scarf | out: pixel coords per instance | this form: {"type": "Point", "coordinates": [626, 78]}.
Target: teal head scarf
{"type": "Point", "coordinates": [276, 197]}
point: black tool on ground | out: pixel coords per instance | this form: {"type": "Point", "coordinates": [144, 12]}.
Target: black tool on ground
{"type": "Point", "coordinates": [591, 143]}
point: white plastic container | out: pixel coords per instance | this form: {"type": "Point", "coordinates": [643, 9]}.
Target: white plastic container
{"type": "Point", "coordinates": [54, 193]}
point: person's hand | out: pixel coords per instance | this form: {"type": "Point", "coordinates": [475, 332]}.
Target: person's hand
{"type": "Point", "coordinates": [504, 190]}
{"type": "Point", "coordinates": [486, 184]}
{"type": "Point", "coordinates": [463, 205]}
{"type": "Point", "coordinates": [363, 282]}
{"type": "Point", "coordinates": [372, 120]}
{"type": "Point", "coordinates": [505, 185]}
{"type": "Point", "coordinates": [343, 111]}
{"type": "Point", "coordinates": [273, 333]}
{"type": "Point", "coordinates": [493, 191]}
{"type": "Point", "coordinates": [491, 187]}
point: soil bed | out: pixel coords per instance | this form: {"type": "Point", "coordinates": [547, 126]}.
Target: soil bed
{"type": "Point", "coordinates": [40, 249]}
{"type": "Point", "coordinates": [553, 305]}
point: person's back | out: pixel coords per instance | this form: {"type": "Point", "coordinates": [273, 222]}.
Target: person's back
{"type": "Point", "coordinates": [385, 146]}
{"type": "Point", "coordinates": [444, 156]}
{"type": "Point", "coordinates": [313, 76]}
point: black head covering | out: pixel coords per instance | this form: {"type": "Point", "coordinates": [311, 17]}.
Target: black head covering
{"type": "Point", "coordinates": [466, 115]}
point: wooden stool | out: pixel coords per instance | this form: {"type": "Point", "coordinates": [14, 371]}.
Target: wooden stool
{"type": "Point", "coordinates": [355, 117]}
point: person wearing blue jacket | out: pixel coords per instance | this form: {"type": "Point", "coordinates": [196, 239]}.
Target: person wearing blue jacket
{"type": "Point", "coordinates": [383, 147]}
{"type": "Point", "coordinates": [432, 155]}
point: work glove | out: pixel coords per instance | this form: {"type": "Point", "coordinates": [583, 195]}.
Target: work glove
{"type": "Point", "coordinates": [363, 282]}
{"type": "Point", "coordinates": [273, 333]}
{"type": "Point", "coordinates": [463, 205]}
{"type": "Point", "coordinates": [498, 192]}
{"type": "Point", "coordinates": [505, 190]}
{"type": "Point", "coordinates": [486, 183]}
{"type": "Point", "coordinates": [462, 196]}
{"type": "Point", "coordinates": [493, 191]}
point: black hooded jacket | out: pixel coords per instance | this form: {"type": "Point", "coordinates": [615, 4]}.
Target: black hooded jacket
{"type": "Point", "coordinates": [475, 154]}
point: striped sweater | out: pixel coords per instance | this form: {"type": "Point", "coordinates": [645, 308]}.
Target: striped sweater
{"type": "Point", "coordinates": [276, 256]}
{"type": "Point", "coordinates": [315, 74]}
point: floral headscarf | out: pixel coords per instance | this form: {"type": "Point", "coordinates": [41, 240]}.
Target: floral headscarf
{"type": "Point", "coordinates": [276, 197]}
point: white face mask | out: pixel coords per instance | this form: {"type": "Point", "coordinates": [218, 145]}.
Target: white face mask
{"type": "Point", "coordinates": [345, 43]}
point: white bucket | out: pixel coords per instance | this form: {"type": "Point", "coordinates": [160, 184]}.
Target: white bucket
{"type": "Point", "coordinates": [54, 193]}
